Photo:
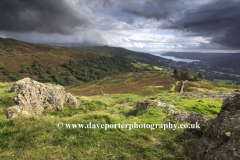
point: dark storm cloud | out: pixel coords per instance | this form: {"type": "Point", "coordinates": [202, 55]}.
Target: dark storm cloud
{"type": "Point", "coordinates": [219, 20]}
{"type": "Point", "coordinates": [113, 22]}
{"type": "Point", "coordinates": [44, 16]}
{"type": "Point", "coordinates": [157, 9]}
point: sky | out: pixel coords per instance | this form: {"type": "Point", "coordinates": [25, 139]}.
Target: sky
{"type": "Point", "coordinates": [140, 25]}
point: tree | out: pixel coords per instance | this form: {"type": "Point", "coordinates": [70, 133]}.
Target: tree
{"type": "Point", "coordinates": [187, 74]}
{"type": "Point", "coordinates": [195, 76]}
{"type": "Point", "coordinates": [200, 75]}
{"type": "Point", "coordinates": [182, 75]}
{"type": "Point", "coordinates": [6, 72]}
{"type": "Point", "coordinates": [177, 73]}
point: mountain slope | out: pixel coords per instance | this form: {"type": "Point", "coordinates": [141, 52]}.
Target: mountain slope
{"type": "Point", "coordinates": [64, 65]}
{"type": "Point", "coordinates": [139, 56]}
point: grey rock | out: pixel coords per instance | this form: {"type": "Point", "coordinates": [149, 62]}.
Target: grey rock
{"type": "Point", "coordinates": [12, 111]}
{"type": "Point", "coordinates": [125, 107]}
{"type": "Point", "coordinates": [221, 136]}
{"type": "Point", "coordinates": [177, 115]}
{"type": "Point", "coordinates": [194, 117]}
{"type": "Point", "coordinates": [147, 104]}
{"type": "Point", "coordinates": [211, 95]}
{"type": "Point", "coordinates": [71, 100]}
{"type": "Point", "coordinates": [37, 97]}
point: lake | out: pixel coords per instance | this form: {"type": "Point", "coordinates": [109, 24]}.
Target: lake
{"type": "Point", "coordinates": [176, 59]}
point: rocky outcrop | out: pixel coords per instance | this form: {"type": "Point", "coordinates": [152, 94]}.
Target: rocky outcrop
{"type": "Point", "coordinates": [34, 97]}
{"type": "Point", "coordinates": [211, 95]}
{"type": "Point", "coordinates": [177, 115]}
{"type": "Point", "coordinates": [221, 136]}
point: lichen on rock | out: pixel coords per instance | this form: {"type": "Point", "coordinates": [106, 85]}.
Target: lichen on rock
{"type": "Point", "coordinates": [34, 97]}
{"type": "Point", "coordinates": [221, 136]}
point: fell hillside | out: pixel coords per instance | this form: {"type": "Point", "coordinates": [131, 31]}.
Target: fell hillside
{"type": "Point", "coordinates": [61, 65]}
{"type": "Point", "coordinates": [143, 83]}
{"type": "Point", "coordinates": [138, 56]}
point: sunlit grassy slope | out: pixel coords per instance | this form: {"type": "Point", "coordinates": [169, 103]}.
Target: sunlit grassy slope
{"type": "Point", "coordinates": [139, 83]}
{"type": "Point", "coordinates": [109, 101]}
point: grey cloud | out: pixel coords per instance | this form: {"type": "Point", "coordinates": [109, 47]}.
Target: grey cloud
{"type": "Point", "coordinates": [230, 39]}
{"type": "Point", "coordinates": [219, 19]}
{"type": "Point", "coordinates": [85, 37]}
{"type": "Point", "coordinates": [101, 21]}
{"type": "Point", "coordinates": [97, 3]}
{"type": "Point", "coordinates": [157, 9]}
{"type": "Point", "coordinates": [44, 16]}
{"type": "Point", "coordinates": [216, 19]}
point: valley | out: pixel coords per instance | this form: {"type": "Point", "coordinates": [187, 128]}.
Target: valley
{"type": "Point", "coordinates": [221, 67]}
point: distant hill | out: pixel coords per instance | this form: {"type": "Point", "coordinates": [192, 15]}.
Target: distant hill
{"type": "Point", "coordinates": [62, 65]}
{"type": "Point", "coordinates": [67, 65]}
{"type": "Point", "coordinates": [222, 67]}
{"type": "Point", "coordinates": [138, 56]}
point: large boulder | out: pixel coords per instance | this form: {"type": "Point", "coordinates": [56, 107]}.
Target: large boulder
{"type": "Point", "coordinates": [34, 97]}
{"type": "Point", "coordinates": [221, 136]}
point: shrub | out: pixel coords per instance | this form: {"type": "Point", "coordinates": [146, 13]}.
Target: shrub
{"type": "Point", "coordinates": [48, 72]}
{"type": "Point", "coordinates": [23, 71]}
{"type": "Point", "coordinates": [6, 72]}
{"type": "Point", "coordinates": [14, 78]}
{"type": "Point", "coordinates": [55, 78]}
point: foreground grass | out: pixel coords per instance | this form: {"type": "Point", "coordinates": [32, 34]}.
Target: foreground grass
{"type": "Point", "coordinates": [191, 104]}
{"type": "Point", "coordinates": [39, 138]}
{"type": "Point", "coordinates": [30, 137]}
